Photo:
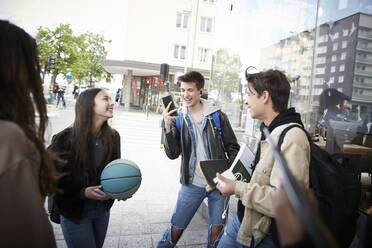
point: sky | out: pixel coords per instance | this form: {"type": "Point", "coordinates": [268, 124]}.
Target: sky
{"type": "Point", "coordinates": [244, 30]}
{"type": "Point", "coordinates": [94, 16]}
{"type": "Point", "coordinates": [249, 26]}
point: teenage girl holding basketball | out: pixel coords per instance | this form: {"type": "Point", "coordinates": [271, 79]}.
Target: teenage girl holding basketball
{"type": "Point", "coordinates": [87, 146]}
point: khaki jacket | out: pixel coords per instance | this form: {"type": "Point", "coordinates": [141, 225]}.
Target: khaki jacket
{"type": "Point", "coordinates": [24, 221]}
{"type": "Point", "coordinates": [256, 195]}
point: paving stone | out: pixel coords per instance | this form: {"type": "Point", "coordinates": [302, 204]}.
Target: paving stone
{"type": "Point", "coordinates": [111, 242]}
{"type": "Point", "coordinates": [137, 241]}
{"type": "Point", "coordinates": [135, 229]}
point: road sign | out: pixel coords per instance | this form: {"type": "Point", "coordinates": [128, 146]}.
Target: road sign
{"type": "Point", "coordinates": [69, 78]}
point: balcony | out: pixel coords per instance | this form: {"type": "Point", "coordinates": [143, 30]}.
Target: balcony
{"type": "Point", "coordinates": [363, 61]}
{"type": "Point", "coordinates": [365, 36]}
{"type": "Point", "coordinates": [364, 48]}
{"type": "Point", "coordinates": [363, 73]}
{"type": "Point", "coordinates": [360, 85]}
{"type": "Point", "coordinates": [362, 98]}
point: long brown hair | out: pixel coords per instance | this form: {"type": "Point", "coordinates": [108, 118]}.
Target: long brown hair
{"type": "Point", "coordinates": [83, 136]}
{"type": "Point", "coordinates": [21, 94]}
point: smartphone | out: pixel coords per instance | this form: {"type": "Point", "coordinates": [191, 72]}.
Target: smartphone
{"type": "Point", "coordinates": [166, 101]}
{"type": "Point", "coordinates": [99, 191]}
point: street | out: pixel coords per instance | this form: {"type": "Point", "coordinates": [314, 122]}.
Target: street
{"type": "Point", "coordinates": [141, 220]}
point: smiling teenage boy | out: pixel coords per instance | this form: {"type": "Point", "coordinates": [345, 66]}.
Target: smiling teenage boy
{"type": "Point", "coordinates": [197, 140]}
{"type": "Point", "coordinates": [267, 99]}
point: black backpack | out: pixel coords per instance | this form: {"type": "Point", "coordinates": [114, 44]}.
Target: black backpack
{"type": "Point", "coordinates": [336, 189]}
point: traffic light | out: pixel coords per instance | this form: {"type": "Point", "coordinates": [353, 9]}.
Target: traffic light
{"type": "Point", "coordinates": [51, 61]}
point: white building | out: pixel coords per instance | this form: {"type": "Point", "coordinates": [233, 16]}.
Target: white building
{"type": "Point", "coordinates": [179, 33]}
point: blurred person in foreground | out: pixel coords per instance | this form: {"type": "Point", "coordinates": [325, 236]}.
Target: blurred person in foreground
{"type": "Point", "coordinates": [292, 233]}
{"type": "Point", "coordinates": [26, 171]}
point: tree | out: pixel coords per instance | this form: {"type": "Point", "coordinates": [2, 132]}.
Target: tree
{"type": "Point", "coordinates": [225, 74]}
{"type": "Point", "coordinates": [87, 66]}
{"type": "Point", "coordinates": [78, 55]}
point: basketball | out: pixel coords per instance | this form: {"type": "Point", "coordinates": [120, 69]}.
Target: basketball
{"type": "Point", "coordinates": [121, 178]}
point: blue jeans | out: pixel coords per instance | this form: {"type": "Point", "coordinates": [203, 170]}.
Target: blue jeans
{"type": "Point", "coordinates": [92, 228]}
{"type": "Point", "coordinates": [189, 199]}
{"type": "Point", "coordinates": [228, 239]}
{"type": "Point", "coordinates": [63, 100]}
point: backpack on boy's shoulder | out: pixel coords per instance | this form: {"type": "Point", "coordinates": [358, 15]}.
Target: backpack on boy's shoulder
{"type": "Point", "coordinates": [336, 189]}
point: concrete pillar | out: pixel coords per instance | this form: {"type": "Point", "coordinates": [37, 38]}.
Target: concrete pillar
{"type": "Point", "coordinates": [127, 84]}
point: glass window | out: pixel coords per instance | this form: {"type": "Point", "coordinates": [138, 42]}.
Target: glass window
{"type": "Point", "coordinates": [206, 24]}
{"type": "Point", "coordinates": [343, 56]}
{"type": "Point", "coordinates": [318, 91]}
{"type": "Point", "coordinates": [344, 44]}
{"type": "Point", "coordinates": [203, 54]}
{"type": "Point", "coordinates": [341, 79]}
{"type": "Point", "coordinates": [276, 40]}
{"type": "Point", "coordinates": [179, 52]}
{"type": "Point", "coordinates": [319, 81]}
{"type": "Point", "coordinates": [322, 49]}
{"type": "Point", "coordinates": [209, 25]}
{"type": "Point", "coordinates": [203, 22]}
{"type": "Point", "coordinates": [179, 20]}
{"type": "Point", "coordinates": [183, 52]}
{"type": "Point", "coordinates": [321, 60]}
{"type": "Point", "coordinates": [176, 51]}
{"type": "Point", "coordinates": [185, 21]}
{"type": "Point", "coordinates": [182, 20]}
{"type": "Point", "coordinates": [320, 70]}
{"type": "Point", "coordinates": [335, 46]}
{"type": "Point", "coordinates": [323, 38]}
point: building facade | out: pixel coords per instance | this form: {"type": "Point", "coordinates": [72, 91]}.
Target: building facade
{"type": "Point", "coordinates": [342, 61]}
{"type": "Point", "coordinates": [179, 33]}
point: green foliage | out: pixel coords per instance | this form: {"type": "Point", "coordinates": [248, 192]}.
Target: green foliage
{"type": "Point", "coordinates": [88, 65]}
{"type": "Point", "coordinates": [78, 55]}
{"type": "Point", "coordinates": [225, 74]}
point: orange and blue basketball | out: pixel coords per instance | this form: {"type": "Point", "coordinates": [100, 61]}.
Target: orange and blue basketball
{"type": "Point", "coordinates": [121, 178]}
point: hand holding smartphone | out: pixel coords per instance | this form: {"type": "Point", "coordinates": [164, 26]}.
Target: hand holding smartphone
{"type": "Point", "coordinates": [99, 191]}
{"type": "Point", "coordinates": [166, 100]}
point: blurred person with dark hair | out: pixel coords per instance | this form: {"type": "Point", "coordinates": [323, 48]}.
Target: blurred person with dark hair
{"type": "Point", "coordinates": [26, 170]}
{"type": "Point", "coordinates": [268, 100]}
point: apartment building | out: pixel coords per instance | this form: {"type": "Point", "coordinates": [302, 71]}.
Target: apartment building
{"type": "Point", "coordinates": [342, 60]}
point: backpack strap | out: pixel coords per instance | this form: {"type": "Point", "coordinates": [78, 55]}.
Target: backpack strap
{"type": "Point", "coordinates": [179, 121]}
{"type": "Point", "coordinates": [217, 122]}
{"type": "Point", "coordinates": [282, 135]}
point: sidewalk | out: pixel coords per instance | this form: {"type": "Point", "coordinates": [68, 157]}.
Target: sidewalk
{"type": "Point", "coordinates": [141, 220]}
